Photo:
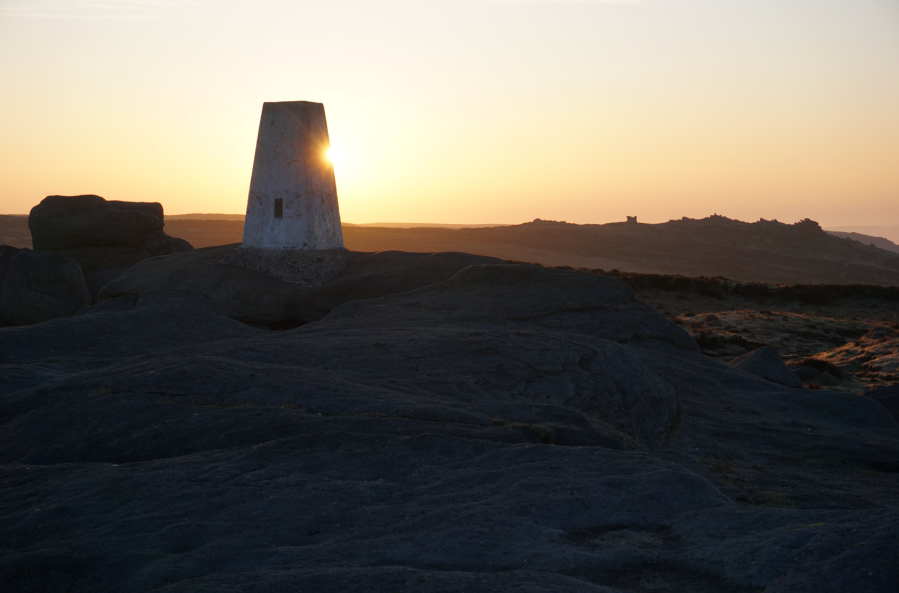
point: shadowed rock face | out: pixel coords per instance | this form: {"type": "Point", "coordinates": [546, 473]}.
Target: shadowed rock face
{"type": "Point", "coordinates": [506, 428]}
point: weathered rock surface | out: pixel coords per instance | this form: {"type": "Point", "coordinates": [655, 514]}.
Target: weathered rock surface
{"type": "Point", "coordinates": [508, 428]}
{"type": "Point", "coordinates": [766, 363]}
{"type": "Point", "coordinates": [37, 286]}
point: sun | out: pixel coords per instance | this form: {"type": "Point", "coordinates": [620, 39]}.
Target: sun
{"type": "Point", "coordinates": [333, 154]}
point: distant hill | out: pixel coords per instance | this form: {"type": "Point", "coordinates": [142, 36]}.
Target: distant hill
{"type": "Point", "coordinates": [867, 240]}
{"type": "Point", "coordinates": [764, 251]}
{"type": "Point", "coordinates": [887, 231]}
{"type": "Point", "coordinates": [14, 230]}
{"type": "Point", "coordinates": [424, 225]}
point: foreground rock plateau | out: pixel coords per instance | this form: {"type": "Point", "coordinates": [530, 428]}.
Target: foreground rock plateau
{"type": "Point", "coordinates": [433, 422]}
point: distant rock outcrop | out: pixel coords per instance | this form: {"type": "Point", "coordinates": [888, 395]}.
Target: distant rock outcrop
{"type": "Point", "coordinates": [766, 363]}
{"type": "Point", "coordinates": [36, 286]}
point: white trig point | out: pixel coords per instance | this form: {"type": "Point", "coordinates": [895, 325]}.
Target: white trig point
{"type": "Point", "coordinates": [293, 194]}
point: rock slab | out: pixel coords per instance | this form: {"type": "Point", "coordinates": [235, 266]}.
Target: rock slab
{"type": "Point", "coordinates": [501, 428]}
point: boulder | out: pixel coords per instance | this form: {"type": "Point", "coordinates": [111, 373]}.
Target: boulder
{"type": "Point", "coordinates": [766, 363]}
{"type": "Point", "coordinates": [104, 237]}
{"type": "Point", "coordinates": [37, 286]}
{"type": "Point", "coordinates": [63, 222]}
{"type": "Point", "coordinates": [101, 234]}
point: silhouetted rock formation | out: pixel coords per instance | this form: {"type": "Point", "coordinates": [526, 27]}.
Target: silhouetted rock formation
{"type": "Point", "coordinates": [102, 233]}
{"type": "Point", "coordinates": [65, 222]}
{"type": "Point", "coordinates": [104, 237]}
{"type": "Point", "coordinates": [36, 286]}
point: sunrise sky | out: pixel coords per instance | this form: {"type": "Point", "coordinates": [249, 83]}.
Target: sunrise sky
{"type": "Point", "coordinates": [465, 111]}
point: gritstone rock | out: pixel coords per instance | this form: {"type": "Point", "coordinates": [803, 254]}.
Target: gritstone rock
{"type": "Point", "coordinates": [64, 222]}
{"type": "Point", "coordinates": [504, 428]}
{"type": "Point", "coordinates": [101, 235]}
{"type": "Point", "coordinates": [766, 363]}
{"type": "Point", "coordinates": [39, 285]}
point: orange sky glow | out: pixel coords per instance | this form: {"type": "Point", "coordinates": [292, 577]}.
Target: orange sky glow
{"type": "Point", "coordinates": [465, 111]}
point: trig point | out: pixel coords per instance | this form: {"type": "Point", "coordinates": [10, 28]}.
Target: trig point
{"type": "Point", "coordinates": [293, 194]}
{"type": "Point", "coordinates": [292, 229]}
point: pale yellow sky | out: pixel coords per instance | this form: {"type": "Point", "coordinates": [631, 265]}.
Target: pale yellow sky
{"type": "Point", "coordinates": [465, 111]}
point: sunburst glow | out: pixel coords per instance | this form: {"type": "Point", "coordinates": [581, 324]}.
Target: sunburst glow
{"type": "Point", "coordinates": [333, 154]}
